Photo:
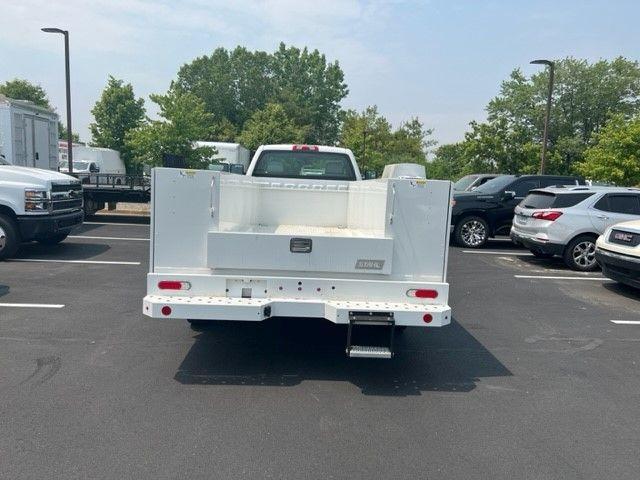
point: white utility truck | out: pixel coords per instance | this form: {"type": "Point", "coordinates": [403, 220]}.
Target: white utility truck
{"type": "Point", "coordinates": [300, 235]}
{"type": "Point", "coordinates": [88, 160]}
{"type": "Point", "coordinates": [36, 204]}
{"type": "Point", "coordinates": [227, 154]}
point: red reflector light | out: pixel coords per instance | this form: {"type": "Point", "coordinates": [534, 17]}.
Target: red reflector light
{"type": "Point", "coordinates": [427, 318]}
{"type": "Point", "coordinates": [422, 293]}
{"type": "Point", "coordinates": [166, 310]}
{"type": "Point", "coordinates": [305, 148]}
{"type": "Point", "coordinates": [173, 285]}
{"type": "Point", "coordinates": [547, 215]}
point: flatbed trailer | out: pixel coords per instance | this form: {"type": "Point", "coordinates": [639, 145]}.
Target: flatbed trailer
{"type": "Point", "coordinates": [108, 188]}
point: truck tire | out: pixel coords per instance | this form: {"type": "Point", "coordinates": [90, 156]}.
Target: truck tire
{"type": "Point", "coordinates": [9, 237]}
{"type": "Point", "coordinates": [580, 254]}
{"type": "Point", "coordinates": [53, 240]}
{"type": "Point", "coordinates": [471, 232]}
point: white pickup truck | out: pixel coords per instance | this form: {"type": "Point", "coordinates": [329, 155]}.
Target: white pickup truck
{"type": "Point", "coordinates": [300, 235]}
{"type": "Point", "coordinates": [36, 204]}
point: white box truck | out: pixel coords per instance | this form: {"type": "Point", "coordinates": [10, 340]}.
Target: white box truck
{"type": "Point", "coordinates": [89, 160]}
{"type": "Point", "coordinates": [228, 153]}
{"type": "Point", "coordinates": [28, 134]}
{"type": "Point", "coordinates": [300, 235]}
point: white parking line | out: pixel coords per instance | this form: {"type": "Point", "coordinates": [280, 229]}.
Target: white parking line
{"type": "Point", "coordinates": [626, 322]}
{"type": "Point", "coordinates": [32, 305]}
{"type": "Point", "coordinates": [87, 237]}
{"type": "Point", "coordinates": [492, 252]}
{"type": "Point", "coordinates": [88, 262]}
{"type": "Point", "coordinates": [110, 223]}
{"type": "Point", "coordinates": [545, 277]}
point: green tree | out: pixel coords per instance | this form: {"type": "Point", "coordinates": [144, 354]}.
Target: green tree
{"type": "Point", "coordinates": [270, 125]}
{"type": "Point", "coordinates": [235, 84]}
{"type": "Point", "coordinates": [375, 143]}
{"type": "Point", "coordinates": [447, 164]}
{"type": "Point", "coordinates": [184, 120]}
{"type": "Point", "coordinates": [20, 89]}
{"type": "Point", "coordinates": [615, 156]}
{"type": "Point", "coordinates": [115, 113]}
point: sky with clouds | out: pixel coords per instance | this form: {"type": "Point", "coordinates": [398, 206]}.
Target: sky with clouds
{"type": "Point", "coordinates": [439, 60]}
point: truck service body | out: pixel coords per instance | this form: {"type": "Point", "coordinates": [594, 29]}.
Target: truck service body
{"type": "Point", "coordinates": [292, 238]}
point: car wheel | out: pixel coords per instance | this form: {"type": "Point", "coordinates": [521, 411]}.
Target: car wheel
{"type": "Point", "coordinates": [9, 237]}
{"type": "Point", "coordinates": [53, 240]}
{"type": "Point", "coordinates": [471, 232]}
{"type": "Point", "coordinates": [580, 254]}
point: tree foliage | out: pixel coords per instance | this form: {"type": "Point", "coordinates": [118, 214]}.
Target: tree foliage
{"type": "Point", "coordinates": [235, 84]}
{"type": "Point", "coordinates": [115, 113]}
{"type": "Point", "coordinates": [271, 125]}
{"type": "Point", "coordinates": [184, 119]}
{"type": "Point", "coordinates": [375, 143]}
{"type": "Point", "coordinates": [615, 156]}
{"type": "Point", "coordinates": [584, 96]}
{"type": "Point", "coordinates": [20, 89]}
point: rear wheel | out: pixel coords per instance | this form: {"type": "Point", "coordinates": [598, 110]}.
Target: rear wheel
{"type": "Point", "coordinates": [53, 240]}
{"type": "Point", "coordinates": [9, 237]}
{"type": "Point", "coordinates": [471, 232]}
{"type": "Point", "coordinates": [580, 254]}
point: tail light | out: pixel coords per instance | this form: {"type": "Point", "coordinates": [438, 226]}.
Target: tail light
{"type": "Point", "coordinates": [549, 215]}
{"type": "Point", "coordinates": [305, 148]}
{"type": "Point", "coordinates": [427, 318]}
{"type": "Point", "coordinates": [173, 285]}
{"type": "Point", "coordinates": [420, 293]}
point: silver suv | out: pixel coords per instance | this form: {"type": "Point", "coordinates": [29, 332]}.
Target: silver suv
{"type": "Point", "coordinates": [567, 221]}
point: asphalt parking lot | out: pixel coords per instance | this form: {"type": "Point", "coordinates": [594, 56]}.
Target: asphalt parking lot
{"type": "Point", "coordinates": [537, 377]}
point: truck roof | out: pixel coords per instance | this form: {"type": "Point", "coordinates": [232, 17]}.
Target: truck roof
{"type": "Point", "coordinates": [319, 148]}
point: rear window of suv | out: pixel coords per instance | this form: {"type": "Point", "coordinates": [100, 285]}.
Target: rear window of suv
{"type": "Point", "coordinates": [536, 200]}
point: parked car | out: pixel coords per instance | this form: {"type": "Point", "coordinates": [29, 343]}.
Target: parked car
{"type": "Point", "coordinates": [469, 183]}
{"type": "Point", "coordinates": [618, 253]}
{"type": "Point", "coordinates": [567, 221]}
{"type": "Point", "coordinates": [488, 210]}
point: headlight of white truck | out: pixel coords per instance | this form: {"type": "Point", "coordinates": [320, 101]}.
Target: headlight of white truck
{"type": "Point", "coordinates": [36, 200]}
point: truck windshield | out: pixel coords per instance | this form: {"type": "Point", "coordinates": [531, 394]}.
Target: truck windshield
{"type": "Point", "coordinates": [462, 184]}
{"type": "Point", "coordinates": [303, 164]}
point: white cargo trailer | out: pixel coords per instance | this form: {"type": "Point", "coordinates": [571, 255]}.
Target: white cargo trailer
{"type": "Point", "coordinates": [306, 244]}
{"type": "Point", "coordinates": [28, 134]}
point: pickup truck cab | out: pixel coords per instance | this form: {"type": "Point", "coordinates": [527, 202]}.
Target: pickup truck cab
{"type": "Point", "coordinates": [488, 210]}
{"type": "Point", "coordinates": [300, 235]}
{"type": "Point", "coordinates": [36, 204]}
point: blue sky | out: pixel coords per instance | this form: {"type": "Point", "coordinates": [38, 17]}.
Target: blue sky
{"type": "Point", "coordinates": [441, 61]}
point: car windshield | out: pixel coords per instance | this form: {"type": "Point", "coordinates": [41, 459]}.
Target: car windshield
{"type": "Point", "coordinates": [538, 200]}
{"type": "Point", "coordinates": [495, 185]}
{"type": "Point", "coordinates": [304, 164]}
{"type": "Point", "coordinates": [462, 184]}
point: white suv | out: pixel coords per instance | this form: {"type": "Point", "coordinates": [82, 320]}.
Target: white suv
{"type": "Point", "coordinates": [618, 253]}
{"type": "Point", "coordinates": [567, 221]}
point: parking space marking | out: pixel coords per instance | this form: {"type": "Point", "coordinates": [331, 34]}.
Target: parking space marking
{"type": "Point", "coordinates": [547, 277]}
{"type": "Point", "coordinates": [32, 305]}
{"type": "Point", "coordinates": [626, 322]}
{"type": "Point", "coordinates": [125, 224]}
{"type": "Point", "coordinates": [87, 237]}
{"type": "Point", "coordinates": [493, 252]}
{"type": "Point", "coordinates": [89, 262]}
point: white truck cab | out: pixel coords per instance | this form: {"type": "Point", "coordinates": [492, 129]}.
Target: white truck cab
{"type": "Point", "coordinates": [36, 204]}
{"type": "Point", "coordinates": [301, 235]}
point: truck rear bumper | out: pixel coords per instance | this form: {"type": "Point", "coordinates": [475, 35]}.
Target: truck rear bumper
{"type": "Point", "coordinates": [258, 309]}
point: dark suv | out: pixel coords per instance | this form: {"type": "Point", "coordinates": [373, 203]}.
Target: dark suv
{"type": "Point", "coordinates": [488, 210]}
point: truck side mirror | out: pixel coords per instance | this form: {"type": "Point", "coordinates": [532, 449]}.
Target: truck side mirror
{"type": "Point", "coordinates": [93, 168]}
{"type": "Point", "coordinates": [508, 195]}
{"type": "Point", "coordinates": [237, 168]}
{"type": "Point", "coordinates": [369, 174]}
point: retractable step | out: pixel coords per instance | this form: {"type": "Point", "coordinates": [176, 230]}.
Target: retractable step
{"type": "Point", "coordinates": [384, 319]}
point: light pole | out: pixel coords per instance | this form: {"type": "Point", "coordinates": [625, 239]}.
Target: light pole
{"type": "Point", "coordinates": [545, 135]}
{"type": "Point", "coordinates": [68, 80]}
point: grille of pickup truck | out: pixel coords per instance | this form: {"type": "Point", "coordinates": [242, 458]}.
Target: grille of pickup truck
{"type": "Point", "coordinates": [624, 238]}
{"type": "Point", "coordinates": [66, 196]}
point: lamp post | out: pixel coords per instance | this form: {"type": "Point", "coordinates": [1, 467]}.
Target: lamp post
{"type": "Point", "coordinates": [68, 81]}
{"type": "Point", "coordinates": [545, 135]}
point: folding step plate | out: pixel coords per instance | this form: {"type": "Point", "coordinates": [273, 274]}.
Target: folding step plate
{"type": "Point", "coordinates": [371, 318]}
